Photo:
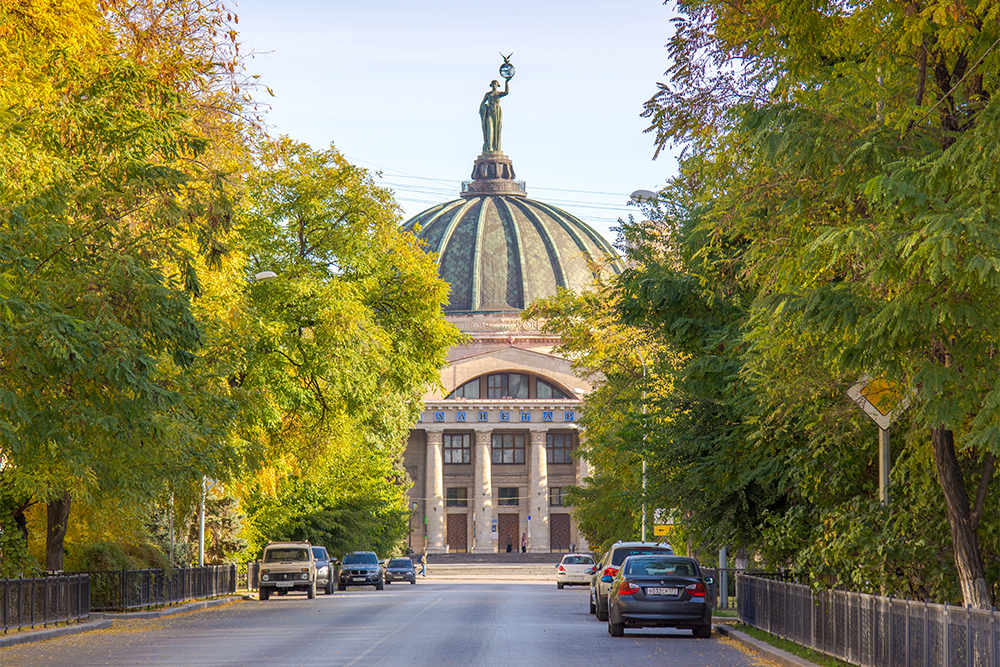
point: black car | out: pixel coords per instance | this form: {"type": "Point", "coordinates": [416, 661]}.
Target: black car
{"type": "Point", "coordinates": [657, 591]}
{"type": "Point", "coordinates": [400, 569]}
{"type": "Point", "coordinates": [360, 568]}
{"type": "Point", "coordinates": [610, 562]}
{"type": "Point", "coordinates": [325, 566]}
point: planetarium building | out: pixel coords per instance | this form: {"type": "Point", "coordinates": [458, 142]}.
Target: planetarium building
{"type": "Point", "coordinates": [492, 454]}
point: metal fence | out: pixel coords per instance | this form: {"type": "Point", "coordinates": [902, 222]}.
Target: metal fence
{"type": "Point", "coordinates": [43, 600]}
{"type": "Point", "coordinates": [724, 588]}
{"type": "Point", "coordinates": [870, 630]}
{"type": "Point", "coordinates": [122, 590]}
{"type": "Point", "coordinates": [248, 576]}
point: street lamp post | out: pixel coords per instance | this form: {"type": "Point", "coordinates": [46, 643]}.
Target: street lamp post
{"type": "Point", "coordinates": [643, 360]}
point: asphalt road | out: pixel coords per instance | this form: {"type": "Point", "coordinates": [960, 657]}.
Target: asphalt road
{"type": "Point", "coordinates": [466, 623]}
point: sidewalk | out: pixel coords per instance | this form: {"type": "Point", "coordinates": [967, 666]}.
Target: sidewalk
{"type": "Point", "coordinates": [767, 651]}
{"type": "Point", "coordinates": [101, 621]}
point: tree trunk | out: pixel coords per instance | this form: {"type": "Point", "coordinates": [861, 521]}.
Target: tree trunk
{"type": "Point", "coordinates": [58, 519]}
{"type": "Point", "coordinates": [965, 542]}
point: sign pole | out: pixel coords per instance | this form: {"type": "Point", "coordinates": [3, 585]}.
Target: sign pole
{"type": "Point", "coordinates": [884, 463]}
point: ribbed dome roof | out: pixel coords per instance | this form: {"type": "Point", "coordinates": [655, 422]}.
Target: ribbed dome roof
{"type": "Point", "coordinates": [500, 252]}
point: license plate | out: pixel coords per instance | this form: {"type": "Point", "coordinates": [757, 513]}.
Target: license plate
{"type": "Point", "coordinates": [284, 584]}
{"type": "Point", "coordinates": [662, 591]}
{"type": "Point", "coordinates": [357, 579]}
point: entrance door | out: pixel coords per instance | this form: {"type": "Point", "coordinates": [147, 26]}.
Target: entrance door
{"type": "Point", "coordinates": [458, 534]}
{"type": "Point", "coordinates": [559, 532]}
{"type": "Point", "coordinates": [507, 526]}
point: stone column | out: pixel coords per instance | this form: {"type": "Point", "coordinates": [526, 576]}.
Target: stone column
{"type": "Point", "coordinates": [435, 494]}
{"type": "Point", "coordinates": [538, 494]}
{"type": "Point", "coordinates": [482, 491]}
{"type": "Point", "coordinates": [582, 472]}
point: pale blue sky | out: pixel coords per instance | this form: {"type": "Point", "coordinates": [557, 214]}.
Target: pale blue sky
{"type": "Point", "coordinates": [396, 86]}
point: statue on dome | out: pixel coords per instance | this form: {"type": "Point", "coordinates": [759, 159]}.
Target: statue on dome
{"type": "Point", "coordinates": [489, 108]}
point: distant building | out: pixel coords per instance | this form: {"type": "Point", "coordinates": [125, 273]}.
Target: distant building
{"type": "Point", "coordinates": [490, 459]}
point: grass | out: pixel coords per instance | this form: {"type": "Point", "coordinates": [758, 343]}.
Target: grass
{"type": "Point", "coordinates": [724, 613]}
{"type": "Point", "coordinates": [791, 647]}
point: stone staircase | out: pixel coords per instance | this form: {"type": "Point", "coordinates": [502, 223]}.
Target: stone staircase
{"type": "Point", "coordinates": [506, 566]}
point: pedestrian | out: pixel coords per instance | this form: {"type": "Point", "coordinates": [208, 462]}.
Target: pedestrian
{"type": "Point", "coordinates": [524, 542]}
{"type": "Point", "coordinates": [422, 564]}
{"type": "Point", "coordinates": [510, 543]}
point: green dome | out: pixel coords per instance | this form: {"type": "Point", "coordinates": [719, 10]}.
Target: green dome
{"type": "Point", "coordinates": [502, 251]}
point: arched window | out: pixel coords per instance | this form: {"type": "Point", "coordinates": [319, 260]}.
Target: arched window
{"type": "Point", "coordinates": [546, 390]}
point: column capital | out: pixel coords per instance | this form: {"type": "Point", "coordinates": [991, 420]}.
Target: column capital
{"type": "Point", "coordinates": [538, 437]}
{"type": "Point", "coordinates": [434, 437]}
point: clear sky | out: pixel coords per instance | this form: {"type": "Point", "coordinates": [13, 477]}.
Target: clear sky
{"type": "Point", "coordinates": [396, 86]}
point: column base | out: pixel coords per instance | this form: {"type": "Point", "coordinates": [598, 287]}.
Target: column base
{"type": "Point", "coordinates": [484, 550]}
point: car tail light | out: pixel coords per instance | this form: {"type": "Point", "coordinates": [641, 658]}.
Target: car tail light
{"type": "Point", "coordinates": [696, 590]}
{"type": "Point", "coordinates": [627, 588]}
{"type": "Point", "coordinates": [610, 572]}
{"type": "Point", "coordinates": [562, 569]}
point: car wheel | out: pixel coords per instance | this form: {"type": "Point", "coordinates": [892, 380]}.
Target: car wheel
{"type": "Point", "coordinates": [602, 613]}
{"type": "Point", "coordinates": [413, 580]}
{"type": "Point", "coordinates": [616, 629]}
{"type": "Point", "coordinates": [378, 585]}
{"type": "Point", "coordinates": [702, 632]}
{"type": "Point", "coordinates": [388, 581]}
{"type": "Point", "coordinates": [311, 593]}
{"type": "Point", "coordinates": [328, 589]}
{"type": "Point", "coordinates": [559, 586]}
{"type": "Point", "coordinates": [264, 593]}
{"type": "Point", "coordinates": [593, 607]}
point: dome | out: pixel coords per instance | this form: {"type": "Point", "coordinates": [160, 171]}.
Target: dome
{"type": "Point", "coordinates": [500, 251]}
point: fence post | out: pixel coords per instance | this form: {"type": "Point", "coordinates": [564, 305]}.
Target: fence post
{"type": "Point", "coordinates": [946, 634]}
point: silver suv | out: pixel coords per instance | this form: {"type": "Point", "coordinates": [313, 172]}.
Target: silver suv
{"type": "Point", "coordinates": [610, 562]}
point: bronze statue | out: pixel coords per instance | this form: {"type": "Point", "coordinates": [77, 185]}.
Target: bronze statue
{"type": "Point", "coordinates": [492, 117]}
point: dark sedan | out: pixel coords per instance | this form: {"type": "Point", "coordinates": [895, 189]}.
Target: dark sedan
{"type": "Point", "coordinates": [400, 569]}
{"type": "Point", "coordinates": [660, 592]}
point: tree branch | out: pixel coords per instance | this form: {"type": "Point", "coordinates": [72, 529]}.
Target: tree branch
{"type": "Point", "coordinates": [984, 484]}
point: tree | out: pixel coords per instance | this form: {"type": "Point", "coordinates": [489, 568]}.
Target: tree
{"type": "Point", "coordinates": [337, 351]}
{"type": "Point", "coordinates": [105, 213]}
{"type": "Point", "coordinates": [852, 149]}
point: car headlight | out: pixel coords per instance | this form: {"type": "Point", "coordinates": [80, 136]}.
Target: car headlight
{"type": "Point", "coordinates": [305, 575]}
{"type": "Point", "coordinates": [265, 577]}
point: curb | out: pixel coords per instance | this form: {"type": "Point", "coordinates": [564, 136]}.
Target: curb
{"type": "Point", "coordinates": [180, 609]}
{"type": "Point", "coordinates": [104, 621]}
{"type": "Point", "coordinates": [765, 650]}
{"type": "Point", "coordinates": [52, 633]}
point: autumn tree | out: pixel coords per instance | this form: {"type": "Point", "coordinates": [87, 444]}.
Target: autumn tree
{"type": "Point", "coordinates": [851, 148]}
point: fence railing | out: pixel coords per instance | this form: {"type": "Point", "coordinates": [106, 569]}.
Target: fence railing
{"type": "Point", "coordinates": [248, 576]}
{"type": "Point", "coordinates": [870, 630]}
{"type": "Point", "coordinates": [43, 600]}
{"type": "Point", "coordinates": [122, 590]}
{"type": "Point", "coordinates": [724, 588]}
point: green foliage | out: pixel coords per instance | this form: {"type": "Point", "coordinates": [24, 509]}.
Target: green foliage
{"type": "Point", "coordinates": [101, 556]}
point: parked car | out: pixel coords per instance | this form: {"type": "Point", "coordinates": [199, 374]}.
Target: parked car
{"type": "Point", "coordinates": [287, 566]}
{"type": "Point", "coordinates": [360, 568]}
{"type": "Point", "coordinates": [400, 569]}
{"type": "Point", "coordinates": [325, 567]}
{"type": "Point", "coordinates": [575, 569]}
{"type": "Point", "coordinates": [608, 567]}
{"type": "Point", "coordinates": [657, 591]}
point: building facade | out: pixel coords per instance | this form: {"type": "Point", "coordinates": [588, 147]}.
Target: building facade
{"type": "Point", "coordinates": [493, 453]}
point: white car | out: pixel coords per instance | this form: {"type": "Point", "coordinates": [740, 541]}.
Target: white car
{"type": "Point", "coordinates": [575, 569]}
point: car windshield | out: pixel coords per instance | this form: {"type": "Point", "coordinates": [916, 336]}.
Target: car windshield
{"type": "Point", "coordinates": [319, 553]}
{"type": "Point", "coordinates": [351, 559]}
{"type": "Point", "coordinates": [619, 556]}
{"type": "Point", "coordinates": [577, 560]}
{"type": "Point", "coordinates": [279, 555]}
{"type": "Point", "coordinates": [659, 567]}
{"type": "Point", "coordinates": [401, 562]}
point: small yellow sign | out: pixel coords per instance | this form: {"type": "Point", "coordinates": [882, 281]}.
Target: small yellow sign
{"type": "Point", "coordinates": [661, 529]}
{"type": "Point", "coordinates": [882, 395]}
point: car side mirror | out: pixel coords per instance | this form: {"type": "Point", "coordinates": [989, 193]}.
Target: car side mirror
{"type": "Point", "coordinates": [709, 581]}
{"type": "Point", "coordinates": [607, 579]}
